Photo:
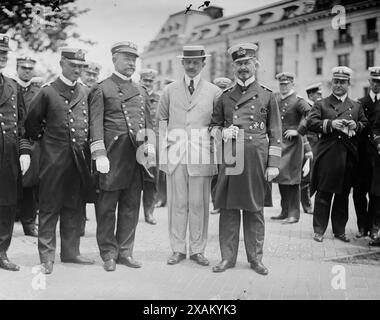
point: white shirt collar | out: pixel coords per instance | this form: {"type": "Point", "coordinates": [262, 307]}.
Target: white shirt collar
{"type": "Point", "coordinates": [121, 76]}
{"type": "Point", "coordinates": [196, 79]}
{"type": "Point", "coordinates": [288, 94]}
{"type": "Point", "coordinates": [373, 95]}
{"type": "Point", "coordinates": [247, 82]}
{"type": "Point", "coordinates": [67, 81]}
{"type": "Point", "coordinates": [22, 83]}
{"type": "Point", "coordinates": [311, 102]}
{"type": "Point", "coordinates": [342, 98]}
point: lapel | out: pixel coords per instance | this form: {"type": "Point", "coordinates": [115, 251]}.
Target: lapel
{"type": "Point", "coordinates": [235, 93]}
{"type": "Point", "coordinates": [334, 103]}
{"type": "Point", "coordinates": [7, 91]}
{"type": "Point", "coordinates": [185, 93]}
{"type": "Point", "coordinates": [196, 93]}
{"type": "Point", "coordinates": [76, 97]}
{"type": "Point", "coordinates": [126, 88]}
{"type": "Point", "coordinates": [252, 91]}
{"type": "Point", "coordinates": [62, 89]}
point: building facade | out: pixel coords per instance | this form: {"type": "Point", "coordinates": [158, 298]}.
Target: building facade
{"type": "Point", "coordinates": [307, 37]}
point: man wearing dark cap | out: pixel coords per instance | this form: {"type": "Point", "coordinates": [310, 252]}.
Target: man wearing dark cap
{"type": "Point", "coordinates": [61, 106]}
{"type": "Point", "coordinates": [90, 73]}
{"type": "Point", "coordinates": [185, 107]}
{"type": "Point", "coordinates": [368, 182]}
{"type": "Point", "coordinates": [14, 154]}
{"type": "Point", "coordinates": [293, 109]}
{"type": "Point", "coordinates": [119, 117]}
{"type": "Point", "coordinates": [28, 206]}
{"type": "Point", "coordinates": [314, 93]}
{"type": "Point", "coordinates": [248, 116]}
{"type": "Point", "coordinates": [339, 120]}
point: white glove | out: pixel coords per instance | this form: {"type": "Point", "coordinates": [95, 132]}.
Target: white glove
{"type": "Point", "coordinates": [271, 173]}
{"type": "Point", "coordinates": [309, 155]}
{"type": "Point", "coordinates": [102, 164]}
{"type": "Point", "coordinates": [230, 133]}
{"type": "Point", "coordinates": [24, 163]}
{"type": "Point", "coordinates": [306, 168]}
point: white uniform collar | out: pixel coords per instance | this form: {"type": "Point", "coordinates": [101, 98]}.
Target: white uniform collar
{"type": "Point", "coordinates": [121, 76]}
{"type": "Point", "coordinates": [67, 81]}
{"type": "Point", "coordinates": [288, 94]}
{"type": "Point", "coordinates": [22, 83]}
{"type": "Point", "coordinates": [342, 98]}
{"type": "Point", "coordinates": [196, 79]}
{"type": "Point", "coordinates": [373, 95]}
{"type": "Point", "coordinates": [311, 102]}
{"type": "Point", "coordinates": [247, 82]}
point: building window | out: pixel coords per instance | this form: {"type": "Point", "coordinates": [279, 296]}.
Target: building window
{"type": "Point", "coordinates": [242, 23]}
{"type": "Point", "coordinates": [289, 12]}
{"type": "Point", "coordinates": [319, 66]}
{"type": "Point", "coordinates": [264, 17]}
{"type": "Point", "coordinates": [296, 67]}
{"type": "Point", "coordinates": [371, 26]}
{"type": "Point", "coordinates": [297, 42]}
{"type": "Point", "coordinates": [370, 58]}
{"type": "Point", "coordinates": [345, 34]}
{"type": "Point", "coordinates": [213, 65]}
{"type": "Point", "coordinates": [159, 70]}
{"type": "Point", "coordinates": [344, 60]}
{"type": "Point", "coordinates": [371, 33]}
{"type": "Point", "coordinates": [222, 28]}
{"type": "Point", "coordinates": [279, 47]}
{"type": "Point", "coordinates": [320, 36]}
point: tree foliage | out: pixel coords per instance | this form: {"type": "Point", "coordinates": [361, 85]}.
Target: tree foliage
{"type": "Point", "coordinates": [40, 25]}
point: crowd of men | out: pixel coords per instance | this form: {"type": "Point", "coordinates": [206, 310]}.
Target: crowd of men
{"type": "Point", "coordinates": [77, 140]}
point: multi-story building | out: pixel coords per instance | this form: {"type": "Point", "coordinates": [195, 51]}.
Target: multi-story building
{"type": "Point", "coordinates": [307, 37]}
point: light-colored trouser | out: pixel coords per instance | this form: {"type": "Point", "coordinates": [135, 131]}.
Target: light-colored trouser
{"type": "Point", "coordinates": [188, 203]}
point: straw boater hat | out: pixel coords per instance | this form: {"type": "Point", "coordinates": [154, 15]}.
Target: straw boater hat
{"type": "Point", "coordinates": [193, 52]}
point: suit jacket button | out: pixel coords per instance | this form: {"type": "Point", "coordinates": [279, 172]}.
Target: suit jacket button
{"type": "Point", "coordinates": [66, 101]}
{"type": "Point", "coordinates": [250, 138]}
{"type": "Point", "coordinates": [72, 129]}
{"type": "Point", "coordinates": [251, 117]}
{"type": "Point", "coordinates": [74, 140]}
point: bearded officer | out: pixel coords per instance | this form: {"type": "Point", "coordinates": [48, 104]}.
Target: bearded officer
{"type": "Point", "coordinates": [368, 212]}
{"type": "Point", "coordinates": [62, 104]}
{"type": "Point", "coordinates": [28, 206]}
{"type": "Point", "coordinates": [14, 154]}
{"type": "Point", "coordinates": [252, 108]}
{"type": "Point", "coordinates": [338, 119]}
{"type": "Point", "coordinates": [292, 109]}
{"type": "Point", "coordinates": [118, 119]}
{"type": "Point", "coordinates": [151, 183]}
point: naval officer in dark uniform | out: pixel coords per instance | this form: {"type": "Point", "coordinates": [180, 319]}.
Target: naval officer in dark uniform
{"type": "Point", "coordinates": [119, 116]}
{"type": "Point", "coordinates": [62, 106]}
{"type": "Point", "coordinates": [27, 210]}
{"type": "Point", "coordinates": [252, 108]}
{"type": "Point", "coordinates": [339, 120]}
{"type": "Point", "coordinates": [14, 154]}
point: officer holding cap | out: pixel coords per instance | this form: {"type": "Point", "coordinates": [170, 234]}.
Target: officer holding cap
{"type": "Point", "coordinates": [368, 212]}
{"type": "Point", "coordinates": [292, 110]}
{"type": "Point", "coordinates": [14, 154]}
{"type": "Point", "coordinates": [338, 119]}
{"type": "Point", "coordinates": [64, 173]}
{"type": "Point", "coordinates": [28, 206]}
{"type": "Point", "coordinates": [118, 122]}
{"type": "Point", "coordinates": [247, 114]}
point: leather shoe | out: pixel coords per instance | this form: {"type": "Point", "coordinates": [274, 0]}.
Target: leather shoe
{"type": "Point", "coordinates": [31, 231]}
{"type": "Point", "coordinates": [290, 220]}
{"type": "Point", "coordinates": [215, 211]}
{"type": "Point", "coordinates": [375, 243]}
{"type": "Point", "coordinates": [78, 260]}
{"type": "Point", "coordinates": [150, 220]}
{"type": "Point", "coordinates": [7, 265]}
{"type": "Point", "coordinates": [222, 266]}
{"type": "Point", "coordinates": [129, 262]}
{"type": "Point", "coordinates": [279, 217]}
{"type": "Point", "coordinates": [373, 235]}
{"type": "Point", "coordinates": [259, 268]}
{"type": "Point", "coordinates": [159, 204]}
{"type": "Point", "coordinates": [200, 259]}
{"type": "Point", "coordinates": [361, 234]}
{"type": "Point", "coordinates": [177, 257]}
{"type": "Point", "coordinates": [342, 237]}
{"type": "Point", "coordinates": [110, 265]}
{"type": "Point", "coordinates": [47, 267]}
{"type": "Point", "coordinates": [318, 237]}
{"type": "Point", "coordinates": [308, 211]}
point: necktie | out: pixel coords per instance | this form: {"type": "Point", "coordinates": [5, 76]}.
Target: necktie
{"type": "Point", "coordinates": [191, 86]}
{"type": "Point", "coordinates": [376, 98]}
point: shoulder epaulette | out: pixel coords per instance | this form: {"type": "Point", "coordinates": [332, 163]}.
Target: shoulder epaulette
{"type": "Point", "coordinates": [266, 88]}
{"type": "Point", "coordinates": [227, 89]}
{"type": "Point", "coordinates": [46, 85]}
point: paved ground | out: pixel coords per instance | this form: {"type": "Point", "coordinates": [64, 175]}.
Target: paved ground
{"type": "Point", "coordinates": [300, 268]}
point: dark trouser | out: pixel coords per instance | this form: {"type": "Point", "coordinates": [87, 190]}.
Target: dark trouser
{"type": "Point", "coordinates": [161, 187]}
{"type": "Point", "coordinates": [69, 228]}
{"type": "Point", "coordinates": [290, 200]}
{"type": "Point", "coordinates": [339, 212]}
{"type": "Point", "coordinates": [27, 210]}
{"type": "Point", "coordinates": [149, 197]}
{"type": "Point", "coordinates": [214, 180]}
{"type": "Point", "coordinates": [229, 230]}
{"type": "Point", "coordinates": [367, 211]}
{"type": "Point", "coordinates": [82, 213]}
{"type": "Point", "coordinates": [128, 201]}
{"type": "Point", "coordinates": [305, 190]}
{"type": "Point", "coordinates": [7, 220]}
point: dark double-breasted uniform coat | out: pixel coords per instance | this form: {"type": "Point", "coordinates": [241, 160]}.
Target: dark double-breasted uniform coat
{"type": "Point", "coordinates": [253, 109]}
{"type": "Point", "coordinates": [12, 145]}
{"type": "Point", "coordinates": [64, 175]}
{"type": "Point", "coordinates": [336, 159]}
{"type": "Point", "coordinates": [368, 180]}
{"type": "Point", "coordinates": [118, 114]}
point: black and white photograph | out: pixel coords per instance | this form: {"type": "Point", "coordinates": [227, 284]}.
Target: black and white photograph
{"type": "Point", "coordinates": [188, 150]}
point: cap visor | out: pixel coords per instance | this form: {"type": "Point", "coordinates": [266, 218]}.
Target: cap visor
{"type": "Point", "coordinates": [245, 58]}
{"type": "Point", "coordinates": [192, 57]}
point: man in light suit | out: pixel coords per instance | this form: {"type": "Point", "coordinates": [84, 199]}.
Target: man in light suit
{"type": "Point", "coordinates": [185, 107]}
